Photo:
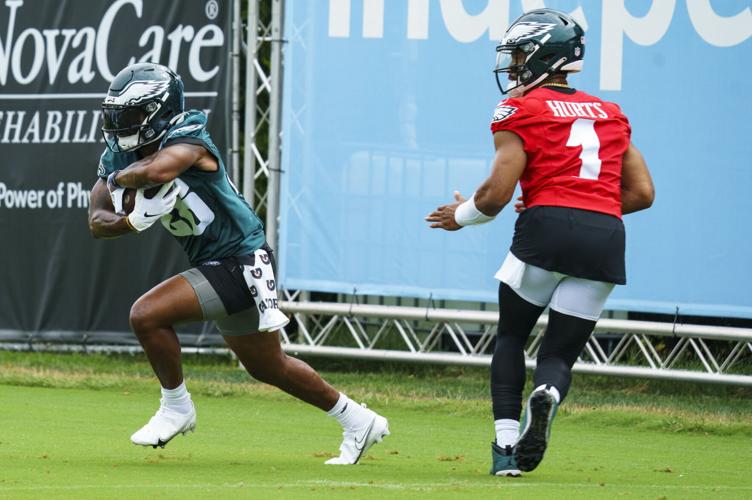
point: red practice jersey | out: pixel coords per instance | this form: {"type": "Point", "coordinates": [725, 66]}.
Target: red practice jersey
{"type": "Point", "coordinates": [574, 144]}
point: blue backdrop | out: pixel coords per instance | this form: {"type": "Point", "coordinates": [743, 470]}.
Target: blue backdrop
{"type": "Point", "coordinates": [386, 111]}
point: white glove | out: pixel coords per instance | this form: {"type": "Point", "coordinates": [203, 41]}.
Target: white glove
{"type": "Point", "coordinates": [147, 211]}
{"type": "Point", "coordinates": [116, 192]}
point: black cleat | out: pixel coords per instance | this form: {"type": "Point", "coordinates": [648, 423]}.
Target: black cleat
{"type": "Point", "coordinates": [539, 416]}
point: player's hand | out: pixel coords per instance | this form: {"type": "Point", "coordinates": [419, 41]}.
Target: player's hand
{"type": "Point", "coordinates": [519, 207]}
{"type": "Point", "coordinates": [147, 211]}
{"type": "Point", "coordinates": [443, 216]}
{"type": "Point", "coordinates": [116, 192]}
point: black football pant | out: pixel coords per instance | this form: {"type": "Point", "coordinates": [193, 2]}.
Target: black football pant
{"type": "Point", "coordinates": [563, 342]}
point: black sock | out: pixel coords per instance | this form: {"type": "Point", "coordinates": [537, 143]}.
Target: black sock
{"type": "Point", "coordinates": [517, 317]}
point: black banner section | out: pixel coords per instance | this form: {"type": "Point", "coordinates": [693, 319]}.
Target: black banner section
{"type": "Point", "coordinates": [56, 62]}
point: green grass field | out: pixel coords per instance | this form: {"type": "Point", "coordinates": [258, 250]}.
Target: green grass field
{"type": "Point", "coordinates": [65, 422]}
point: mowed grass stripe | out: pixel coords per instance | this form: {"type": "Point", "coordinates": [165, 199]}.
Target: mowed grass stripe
{"type": "Point", "coordinates": [63, 443]}
{"type": "Point", "coordinates": [438, 485]}
{"type": "Point", "coordinates": [655, 405]}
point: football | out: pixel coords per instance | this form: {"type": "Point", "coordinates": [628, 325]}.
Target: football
{"type": "Point", "coordinates": [129, 197]}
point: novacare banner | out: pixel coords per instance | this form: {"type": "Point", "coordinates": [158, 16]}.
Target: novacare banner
{"type": "Point", "coordinates": [56, 61]}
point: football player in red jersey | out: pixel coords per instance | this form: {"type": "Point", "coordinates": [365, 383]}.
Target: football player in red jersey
{"type": "Point", "coordinates": [579, 173]}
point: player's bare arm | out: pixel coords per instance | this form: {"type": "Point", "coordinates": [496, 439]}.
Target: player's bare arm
{"type": "Point", "coordinates": [509, 163]}
{"type": "Point", "coordinates": [495, 192]}
{"type": "Point", "coordinates": [637, 190]}
{"type": "Point", "coordinates": [165, 165]}
{"type": "Point", "coordinates": [103, 221]}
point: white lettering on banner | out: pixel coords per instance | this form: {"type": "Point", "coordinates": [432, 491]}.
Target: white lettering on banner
{"type": "Point", "coordinates": [13, 124]}
{"type": "Point", "coordinates": [36, 64]}
{"type": "Point", "coordinates": [103, 35]}
{"type": "Point", "coordinates": [176, 39]}
{"type": "Point", "coordinates": [80, 126]}
{"type": "Point", "coordinates": [202, 40]}
{"type": "Point", "coordinates": [88, 47]}
{"type": "Point", "coordinates": [467, 28]}
{"type": "Point", "coordinates": [153, 55]}
{"type": "Point", "coordinates": [53, 127]}
{"type": "Point", "coordinates": [417, 19]}
{"type": "Point", "coordinates": [53, 60]}
{"type": "Point", "coordinates": [494, 19]}
{"type": "Point", "coordinates": [65, 195]}
{"type": "Point", "coordinates": [617, 22]}
{"type": "Point", "coordinates": [462, 26]}
{"type": "Point", "coordinates": [77, 137]}
{"type": "Point", "coordinates": [32, 130]}
{"type": "Point", "coordinates": [66, 130]}
{"type": "Point", "coordinates": [373, 18]}
{"type": "Point", "coordinates": [718, 30]}
{"type": "Point", "coordinates": [339, 18]}
{"type": "Point", "coordinates": [6, 48]}
{"type": "Point", "coordinates": [77, 196]}
{"type": "Point", "coordinates": [82, 67]}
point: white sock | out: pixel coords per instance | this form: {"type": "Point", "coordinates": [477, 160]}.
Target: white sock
{"type": "Point", "coordinates": [507, 431]}
{"type": "Point", "coordinates": [551, 390]}
{"type": "Point", "coordinates": [349, 413]}
{"type": "Point", "coordinates": [177, 399]}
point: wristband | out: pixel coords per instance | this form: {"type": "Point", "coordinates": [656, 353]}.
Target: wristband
{"type": "Point", "coordinates": [467, 214]}
{"type": "Point", "coordinates": [130, 225]}
{"type": "Point", "coordinates": [112, 181]}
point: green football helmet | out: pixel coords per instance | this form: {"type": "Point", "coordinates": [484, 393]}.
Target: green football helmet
{"type": "Point", "coordinates": [538, 44]}
{"type": "Point", "coordinates": [140, 103]}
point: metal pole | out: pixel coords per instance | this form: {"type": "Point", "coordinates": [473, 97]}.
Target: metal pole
{"type": "Point", "coordinates": [275, 110]}
{"type": "Point", "coordinates": [726, 333]}
{"type": "Point", "coordinates": [452, 359]}
{"type": "Point", "coordinates": [249, 130]}
{"type": "Point", "coordinates": [235, 139]}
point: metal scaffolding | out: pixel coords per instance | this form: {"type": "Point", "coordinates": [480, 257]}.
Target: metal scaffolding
{"type": "Point", "coordinates": [645, 349]}
{"type": "Point", "coordinates": [263, 98]}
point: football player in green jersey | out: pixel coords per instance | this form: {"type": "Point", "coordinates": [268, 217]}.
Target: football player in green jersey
{"type": "Point", "coordinates": [152, 141]}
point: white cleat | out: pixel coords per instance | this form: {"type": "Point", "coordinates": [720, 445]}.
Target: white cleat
{"type": "Point", "coordinates": [356, 442]}
{"type": "Point", "coordinates": [163, 426]}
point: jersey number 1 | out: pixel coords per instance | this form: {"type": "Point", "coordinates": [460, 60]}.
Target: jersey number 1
{"type": "Point", "coordinates": [583, 134]}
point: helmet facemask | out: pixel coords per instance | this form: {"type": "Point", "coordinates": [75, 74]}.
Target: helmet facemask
{"type": "Point", "coordinates": [126, 128]}
{"type": "Point", "coordinates": [527, 64]}
{"type": "Point", "coordinates": [142, 100]}
{"type": "Point", "coordinates": [511, 60]}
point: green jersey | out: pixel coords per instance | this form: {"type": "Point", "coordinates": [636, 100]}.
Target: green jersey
{"type": "Point", "coordinates": [211, 219]}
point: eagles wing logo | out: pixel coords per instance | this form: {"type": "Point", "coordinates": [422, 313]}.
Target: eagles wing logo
{"type": "Point", "coordinates": [184, 130]}
{"type": "Point", "coordinates": [503, 111]}
{"type": "Point", "coordinates": [138, 91]}
{"type": "Point", "coordinates": [526, 30]}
